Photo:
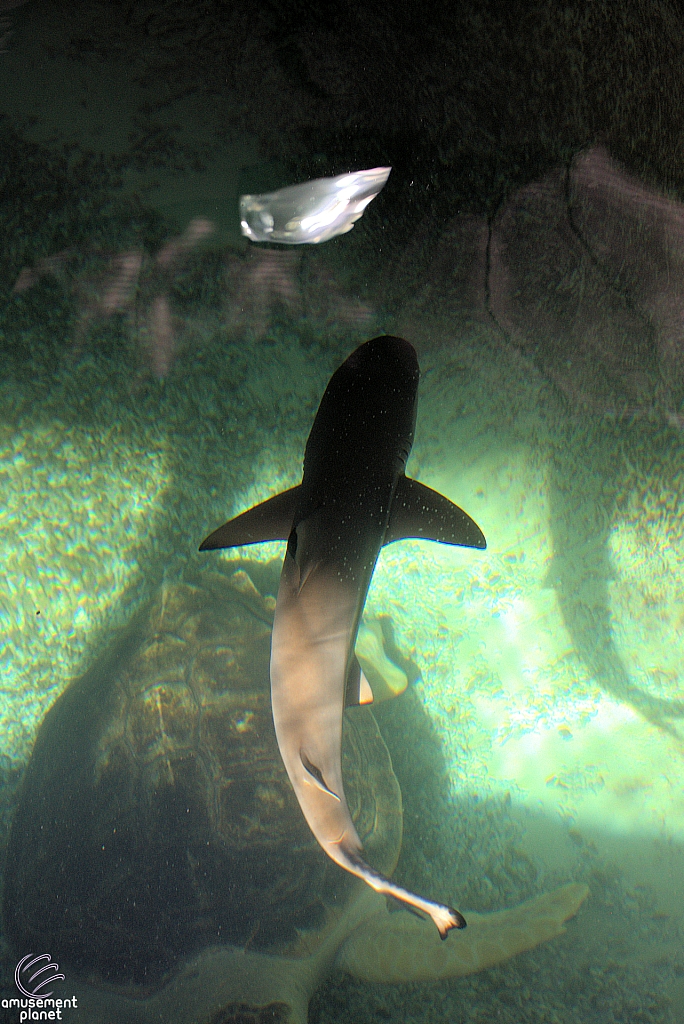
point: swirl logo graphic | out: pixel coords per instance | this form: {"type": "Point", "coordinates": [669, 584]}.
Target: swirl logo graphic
{"type": "Point", "coordinates": [32, 986]}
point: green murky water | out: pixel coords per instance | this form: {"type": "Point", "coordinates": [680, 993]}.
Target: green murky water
{"type": "Point", "coordinates": [161, 373]}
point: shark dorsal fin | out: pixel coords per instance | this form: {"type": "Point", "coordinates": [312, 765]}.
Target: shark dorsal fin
{"type": "Point", "coordinates": [418, 511]}
{"type": "Point", "coordinates": [271, 520]}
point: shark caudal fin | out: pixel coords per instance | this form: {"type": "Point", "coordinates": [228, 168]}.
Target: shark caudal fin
{"type": "Point", "coordinates": [271, 520]}
{"type": "Point", "coordinates": [445, 918]}
{"type": "Point", "coordinates": [424, 514]}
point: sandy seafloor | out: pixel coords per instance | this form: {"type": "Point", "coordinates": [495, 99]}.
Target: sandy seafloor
{"type": "Point", "coordinates": [551, 723]}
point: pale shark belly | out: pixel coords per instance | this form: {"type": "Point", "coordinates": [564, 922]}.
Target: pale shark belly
{"type": "Point", "coordinates": [312, 637]}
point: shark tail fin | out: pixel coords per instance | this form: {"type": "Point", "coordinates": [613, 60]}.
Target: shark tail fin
{"type": "Point", "coordinates": [271, 520]}
{"type": "Point", "coordinates": [418, 511]}
{"type": "Point", "coordinates": [444, 917]}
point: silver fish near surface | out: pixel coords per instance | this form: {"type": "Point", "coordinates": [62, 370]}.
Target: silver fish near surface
{"type": "Point", "coordinates": [354, 498]}
{"type": "Point", "coordinates": [312, 212]}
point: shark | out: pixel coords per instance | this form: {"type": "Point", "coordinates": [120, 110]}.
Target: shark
{"type": "Point", "coordinates": [354, 498]}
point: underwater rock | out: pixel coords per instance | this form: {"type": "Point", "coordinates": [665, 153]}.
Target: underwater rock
{"type": "Point", "coordinates": [583, 272]}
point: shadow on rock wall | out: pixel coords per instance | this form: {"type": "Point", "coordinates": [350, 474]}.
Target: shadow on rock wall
{"type": "Point", "coordinates": [582, 272]}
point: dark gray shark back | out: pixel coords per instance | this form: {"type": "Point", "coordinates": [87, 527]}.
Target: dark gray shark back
{"type": "Point", "coordinates": [355, 454]}
{"type": "Point", "coordinates": [365, 423]}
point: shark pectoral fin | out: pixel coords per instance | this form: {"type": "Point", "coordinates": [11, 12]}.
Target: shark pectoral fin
{"type": "Point", "coordinates": [418, 511]}
{"type": "Point", "coordinates": [358, 690]}
{"type": "Point", "coordinates": [316, 776]}
{"type": "Point", "coordinates": [271, 520]}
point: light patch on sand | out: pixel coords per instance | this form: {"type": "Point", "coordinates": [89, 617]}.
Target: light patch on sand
{"type": "Point", "coordinates": [647, 599]}
{"type": "Point", "coordinates": [75, 506]}
{"type": "Point", "coordinates": [516, 707]}
{"type": "Point", "coordinates": [612, 770]}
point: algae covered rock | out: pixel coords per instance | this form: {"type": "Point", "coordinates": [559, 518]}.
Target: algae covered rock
{"type": "Point", "coordinates": [157, 817]}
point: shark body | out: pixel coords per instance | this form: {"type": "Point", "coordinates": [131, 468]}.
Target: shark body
{"type": "Point", "coordinates": [354, 497]}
